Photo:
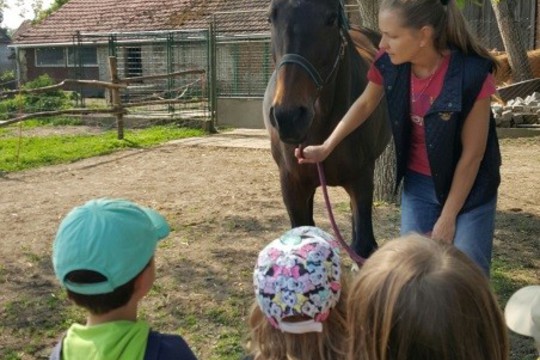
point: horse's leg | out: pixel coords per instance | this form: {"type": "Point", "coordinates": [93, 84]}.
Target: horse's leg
{"type": "Point", "coordinates": [361, 194]}
{"type": "Point", "coordinates": [298, 199]}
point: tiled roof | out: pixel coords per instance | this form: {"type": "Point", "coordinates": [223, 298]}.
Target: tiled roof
{"type": "Point", "coordinates": [133, 15]}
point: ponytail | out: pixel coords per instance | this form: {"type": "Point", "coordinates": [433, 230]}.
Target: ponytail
{"type": "Point", "coordinates": [459, 34]}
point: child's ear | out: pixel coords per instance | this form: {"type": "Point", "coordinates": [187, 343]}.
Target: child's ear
{"type": "Point", "coordinates": [143, 283]}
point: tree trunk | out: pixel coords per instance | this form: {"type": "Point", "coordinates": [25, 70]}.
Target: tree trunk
{"type": "Point", "coordinates": [512, 40]}
{"type": "Point", "coordinates": [385, 175]}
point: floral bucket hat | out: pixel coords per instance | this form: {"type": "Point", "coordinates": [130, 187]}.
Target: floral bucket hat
{"type": "Point", "coordinates": [298, 274]}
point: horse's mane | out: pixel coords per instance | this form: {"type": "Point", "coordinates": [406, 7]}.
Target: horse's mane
{"type": "Point", "coordinates": [365, 41]}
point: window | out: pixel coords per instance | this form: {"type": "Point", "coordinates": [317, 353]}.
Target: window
{"type": "Point", "coordinates": [133, 61]}
{"type": "Point", "coordinates": [85, 56]}
{"type": "Point", "coordinates": [53, 56]}
{"type": "Point", "coordinates": [66, 56]}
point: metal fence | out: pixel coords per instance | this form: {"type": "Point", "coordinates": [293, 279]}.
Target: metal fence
{"type": "Point", "coordinates": [243, 62]}
{"type": "Point", "coordinates": [235, 52]}
{"type": "Point", "coordinates": [142, 57]}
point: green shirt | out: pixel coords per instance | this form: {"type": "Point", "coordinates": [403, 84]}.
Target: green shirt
{"type": "Point", "coordinates": [119, 340]}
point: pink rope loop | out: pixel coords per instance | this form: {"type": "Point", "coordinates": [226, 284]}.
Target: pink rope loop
{"type": "Point", "coordinates": [322, 179]}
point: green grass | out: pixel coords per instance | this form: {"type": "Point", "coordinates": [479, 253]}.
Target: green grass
{"type": "Point", "coordinates": [29, 152]}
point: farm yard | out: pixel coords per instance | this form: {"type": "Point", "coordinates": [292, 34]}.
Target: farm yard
{"type": "Point", "coordinates": [224, 204]}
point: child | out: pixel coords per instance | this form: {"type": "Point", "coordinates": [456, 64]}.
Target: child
{"type": "Point", "coordinates": [522, 313]}
{"type": "Point", "coordinates": [298, 313]}
{"type": "Point", "coordinates": [103, 255]}
{"type": "Point", "coordinates": [417, 298]}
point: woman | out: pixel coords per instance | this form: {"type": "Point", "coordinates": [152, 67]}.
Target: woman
{"type": "Point", "coordinates": [438, 82]}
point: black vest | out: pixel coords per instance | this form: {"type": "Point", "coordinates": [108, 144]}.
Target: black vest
{"type": "Point", "coordinates": [443, 124]}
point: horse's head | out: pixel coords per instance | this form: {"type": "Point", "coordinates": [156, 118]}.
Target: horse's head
{"type": "Point", "coordinates": [308, 43]}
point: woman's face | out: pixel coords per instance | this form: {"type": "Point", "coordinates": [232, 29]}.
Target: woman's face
{"type": "Point", "coordinates": [402, 44]}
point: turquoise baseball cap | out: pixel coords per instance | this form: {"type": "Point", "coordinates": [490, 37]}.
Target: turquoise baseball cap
{"type": "Point", "coordinates": [113, 237]}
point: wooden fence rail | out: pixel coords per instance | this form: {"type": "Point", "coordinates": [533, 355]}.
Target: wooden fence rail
{"type": "Point", "coordinates": [118, 108]}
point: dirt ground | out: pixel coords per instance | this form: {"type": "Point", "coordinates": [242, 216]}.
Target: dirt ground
{"type": "Point", "coordinates": [223, 204]}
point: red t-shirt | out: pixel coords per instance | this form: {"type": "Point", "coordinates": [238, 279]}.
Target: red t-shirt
{"type": "Point", "coordinates": [423, 94]}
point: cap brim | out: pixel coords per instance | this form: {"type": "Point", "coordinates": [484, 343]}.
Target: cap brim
{"type": "Point", "coordinates": [521, 309]}
{"type": "Point", "coordinates": [160, 223]}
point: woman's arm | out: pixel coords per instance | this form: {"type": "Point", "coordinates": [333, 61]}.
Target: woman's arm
{"type": "Point", "coordinates": [357, 114]}
{"type": "Point", "coordinates": [474, 139]}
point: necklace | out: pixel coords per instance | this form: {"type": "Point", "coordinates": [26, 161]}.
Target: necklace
{"type": "Point", "coordinates": [416, 96]}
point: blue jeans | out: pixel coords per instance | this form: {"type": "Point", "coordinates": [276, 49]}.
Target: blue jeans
{"type": "Point", "coordinates": [420, 209]}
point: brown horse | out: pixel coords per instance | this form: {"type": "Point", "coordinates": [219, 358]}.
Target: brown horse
{"type": "Point", "coordinates": [318, 76]}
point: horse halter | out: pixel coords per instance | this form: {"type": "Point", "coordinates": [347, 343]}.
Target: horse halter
{"type": "Point", "coordinates": [310, 69]}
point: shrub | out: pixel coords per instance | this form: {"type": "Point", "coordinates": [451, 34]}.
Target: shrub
{"type": "Point", "coordinates": [34, 102]}
{"type": "Point", "coordinates": [47, 101]}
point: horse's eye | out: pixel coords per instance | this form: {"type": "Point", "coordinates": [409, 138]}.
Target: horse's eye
{"type": "Point", "coordinates": [332, 19]}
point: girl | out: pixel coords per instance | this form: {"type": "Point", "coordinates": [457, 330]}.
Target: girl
{"type": "Point", "coordinates": [420, 299]}
{"type": "Point", "coordinates": [299, 312]}
{"type": "Point", "coordinates": [438, 82]}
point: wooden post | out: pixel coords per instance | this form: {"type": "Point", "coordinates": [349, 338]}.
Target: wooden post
{"type": "Point", "coordinates": [116, 98]}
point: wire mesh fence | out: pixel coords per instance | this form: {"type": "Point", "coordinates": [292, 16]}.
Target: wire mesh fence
{"type": "Point", "coordinates": [156, 66]}
{"type": "Point", "coordinates": [234, 55]}
{"type": "Point", "coordinates": [243, 61]}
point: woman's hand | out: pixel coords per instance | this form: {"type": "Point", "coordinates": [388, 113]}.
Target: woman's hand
{"type": "Point", "coordinates": [312, 154]}
{"type": "Point", "coordinates": [444, 229]}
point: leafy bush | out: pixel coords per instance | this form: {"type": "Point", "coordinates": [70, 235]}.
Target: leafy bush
{"type": "Point", "coordinates": [7, 80]}
{"type": "Point", "coordinates": [46, 101]}
{"type": "Point", "coordinates": [28, 103]}
{"type": "Point", "coordinates": [7, 75]}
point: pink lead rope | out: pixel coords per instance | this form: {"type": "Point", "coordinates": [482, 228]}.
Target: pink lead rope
{"type": "Point", "coordinates": [322, 179]}
{"type": "Point", "coordinates": [354, 256]}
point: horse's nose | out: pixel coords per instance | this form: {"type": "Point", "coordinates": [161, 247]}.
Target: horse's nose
{"type": "Point", "coordinates": [291, 123]}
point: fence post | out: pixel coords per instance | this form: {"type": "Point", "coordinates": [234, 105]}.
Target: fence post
{"type": "Point", "coordinates": [116, 99]}
{"type": "Point", "coordinates": [211, 74]}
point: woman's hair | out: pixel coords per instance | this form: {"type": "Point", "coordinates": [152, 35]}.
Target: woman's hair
{"type": "Point", "coordinates": [450, 27]}
{"type": "Point", "coordinates": [265, 342]}
{"type": "Point", "coordinates": [416, 298]}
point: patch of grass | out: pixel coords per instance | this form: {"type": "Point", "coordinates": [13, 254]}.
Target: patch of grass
{"type": "Point", "coordinates": [222, 315]}
{"type": "Point", "coordinates": [228, 346]}
{"type": "Point", "coordinates": [506, 278]}
{"type": "Point", "coordinates": [12, 355]}
{"type": "Point", "coordinates": [50, 150]}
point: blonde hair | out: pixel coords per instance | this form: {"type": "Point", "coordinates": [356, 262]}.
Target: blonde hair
{"type": "Point", "coordinates": [447, 21]}
{"type": "Point", "coordinates": [419, 299]}
{"type": "Point", "coordinates": [268, 343]}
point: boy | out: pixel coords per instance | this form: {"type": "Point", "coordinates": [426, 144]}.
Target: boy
{"type": "Point", "coordinates": [103, 255]}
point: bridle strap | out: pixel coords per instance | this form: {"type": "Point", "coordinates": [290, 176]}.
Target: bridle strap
{"type": "Point", "coordinates": [310, 69]}
{"type": "Point", "coordinates": [305, 64]}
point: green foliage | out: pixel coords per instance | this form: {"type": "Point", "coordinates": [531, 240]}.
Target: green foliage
{"type": "Point", "coordinates": [7, 75]}
{"type": "Point", "coordinates": [56, 4]}
{"type": "Point", "coordinates": [34, 102]}
{"type": "Point", "coordinates": [35, 151]}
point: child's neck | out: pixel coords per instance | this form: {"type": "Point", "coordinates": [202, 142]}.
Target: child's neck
{"type": "Point", "coordinates": [127, 312]}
